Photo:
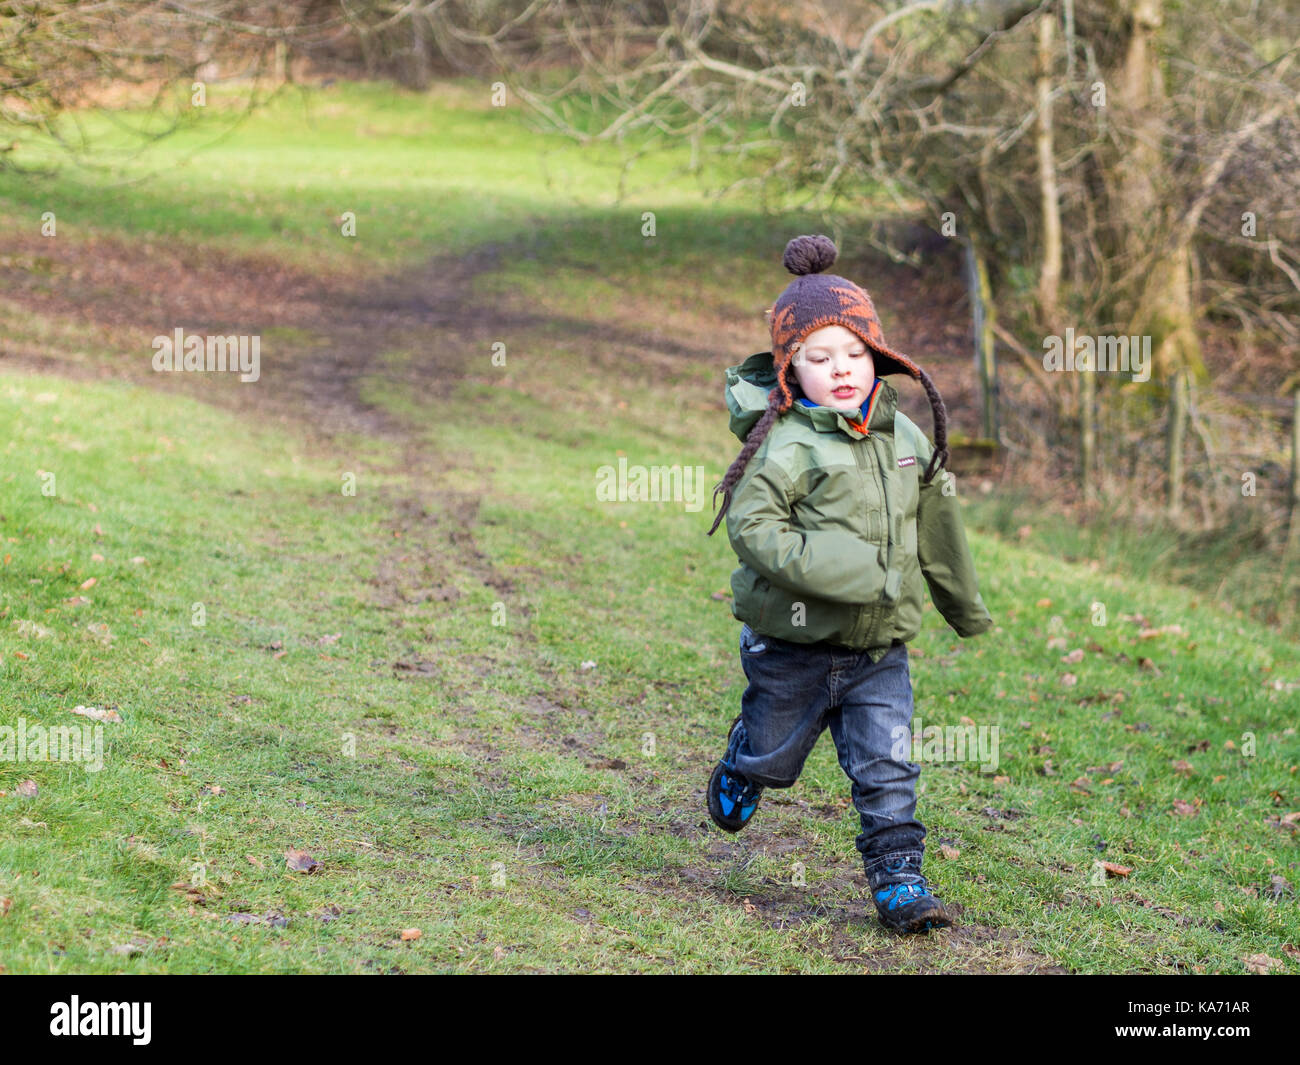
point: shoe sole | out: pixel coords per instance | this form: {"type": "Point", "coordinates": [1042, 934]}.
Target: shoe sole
{"type": "Point", "coordinates": [920, 924]}
{"type": "Point", "coordinates": [715, 811]}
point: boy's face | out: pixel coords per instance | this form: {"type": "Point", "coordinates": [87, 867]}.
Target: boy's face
{"type": "Point", "coordinates": [835, 368]}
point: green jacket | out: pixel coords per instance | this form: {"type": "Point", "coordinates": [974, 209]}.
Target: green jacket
{"type": "Point", "coordinates": [834, 530]}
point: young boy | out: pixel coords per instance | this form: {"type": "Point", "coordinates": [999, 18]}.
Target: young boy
{"type": "Point", "coordinates": [837, 516]}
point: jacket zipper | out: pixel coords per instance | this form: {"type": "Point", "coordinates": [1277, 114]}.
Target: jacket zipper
{"type": "Point", "coordinates": [869, 615]}
{"type": "Point", "coordinates": [866, 611]}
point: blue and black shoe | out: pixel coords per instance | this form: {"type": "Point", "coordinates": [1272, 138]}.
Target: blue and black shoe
{"type": "Point", "coordinates": [910, 907]}
{"type": "Point", "coordinates": [732, 799]}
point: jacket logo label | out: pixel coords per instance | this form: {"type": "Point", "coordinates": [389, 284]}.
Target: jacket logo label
{"type": "Point", "coordinates": [909, 461]}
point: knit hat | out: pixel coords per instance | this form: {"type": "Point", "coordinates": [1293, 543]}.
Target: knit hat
{"type": "Point", "coordinates": [813, 300]}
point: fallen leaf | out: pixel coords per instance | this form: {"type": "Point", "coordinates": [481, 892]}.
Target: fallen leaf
{"type": "Point", "coordinates": [1069, 680]}
{"type": "Point", "coordinates": [1116, 870]}
{"type": "Point", "coordinates": [1074, 656]}
{"type": "Point", "coordinates": [498, 953]}
{"type": "Point", "coordinates": [331, 638]}
{"type": "Point", "coordinates": [89, 582]}
{"type": "Point", "coordinates": [213, 789]}
{"type": "Point", "coordinates": [6, 905]}
{"type": "Point", "coordinates": [1181, 766]}
{"type": "Point", "coordinates": [300, 861]}
{"type": "Point", "coordinates": [192, 892]}
{"type": "Point", "coordinates": [252, 860]}
{"type": "Point", "coordinates": [409, 934]}
{"type": "Point", "coordinates": [27, 789]}
{"type": "Point", "coordinates": [1186, 809]}
{"type": "Point", "coordinates": [96, 713]}
{"type": "Point", "coordinates": [1044, 603]}
{"type": "Point", "coordinates": [1173, 630]}
{"type": "Point", "coordinates": [949, 852]}
{"type": "Point", "coordinates": [1260, 963]}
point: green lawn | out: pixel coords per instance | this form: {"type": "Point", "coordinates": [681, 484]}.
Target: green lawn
{"type": "Point", "coordinates": [486, 702]}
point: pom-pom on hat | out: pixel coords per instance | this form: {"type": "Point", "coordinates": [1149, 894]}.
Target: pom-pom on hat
{"type": "Point", "coordinates": [812, 300]}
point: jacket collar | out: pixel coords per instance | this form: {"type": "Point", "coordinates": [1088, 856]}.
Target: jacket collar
{"type": "Point", "coordinates": [749, 384]}
{"type": "Point", "coordinates": [876, 412]}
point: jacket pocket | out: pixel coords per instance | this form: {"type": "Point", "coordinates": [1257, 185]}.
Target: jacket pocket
{"type": "Point", "coordinates": [751, 596]}
{"type": "Point", "coordinates": [893, 585]}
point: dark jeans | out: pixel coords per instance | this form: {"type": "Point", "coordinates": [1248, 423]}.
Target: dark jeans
{"type": "Point", "coordinates": [796, 691]}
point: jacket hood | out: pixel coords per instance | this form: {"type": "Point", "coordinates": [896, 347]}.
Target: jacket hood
{"type": "Point", "coordinates": [750, 383]}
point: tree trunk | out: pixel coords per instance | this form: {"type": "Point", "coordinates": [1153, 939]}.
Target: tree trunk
{"type": "Point", "coordinates": [1049, 276]}
{"type": "Point", "coordinates": [1088, 434]}
{"type": "Point", "coordinates": [1162, 307]}
{"type": "Point", "coordinates": [1177, 433]}
{"type": "Point", "coordinates": [1293, 504]}
{"type": "Point", "coordinates": [419, 53]}
{"type": "Point", "coordinates": [982, 316]}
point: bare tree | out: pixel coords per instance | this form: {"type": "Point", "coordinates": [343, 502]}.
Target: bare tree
{"type": "Point", "coordinates": [1148, 126]}
{"type": "Point", "coordinates": [57, 56]}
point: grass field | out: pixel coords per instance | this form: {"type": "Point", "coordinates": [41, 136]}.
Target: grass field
{"type": "Point", "coordinates": [370, 607]}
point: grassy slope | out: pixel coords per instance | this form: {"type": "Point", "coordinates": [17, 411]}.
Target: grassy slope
{"type": "Point", "coordinates": [502, 756]}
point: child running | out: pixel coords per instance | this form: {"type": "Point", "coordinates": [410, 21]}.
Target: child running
{"type": "Point", "coordinates": [837, 515]}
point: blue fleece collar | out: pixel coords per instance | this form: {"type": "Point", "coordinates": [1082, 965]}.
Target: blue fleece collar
{"type": "Point", "coordinates": [866, 403]}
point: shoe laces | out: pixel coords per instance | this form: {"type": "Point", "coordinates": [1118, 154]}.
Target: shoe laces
{"type": "Point", "coordinates": [739, 789]}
